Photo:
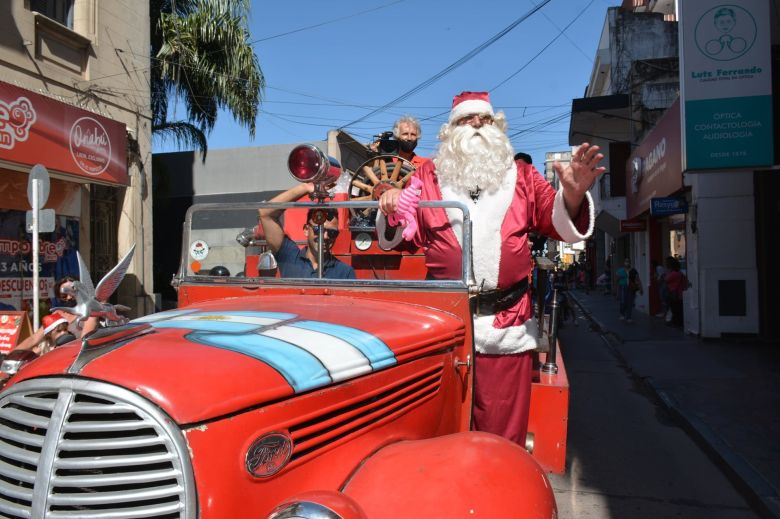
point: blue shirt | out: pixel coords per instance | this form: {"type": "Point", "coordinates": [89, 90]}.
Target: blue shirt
{"type": "Point", "coordinates": [293, 263]}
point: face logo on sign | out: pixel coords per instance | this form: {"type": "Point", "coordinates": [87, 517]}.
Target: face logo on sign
{"type": "Point", "coordinates": [725, 32]}
{"type": "Point", "coordinates": [90, 146]}
{"type": "Point", "coordinates": [16, 119]}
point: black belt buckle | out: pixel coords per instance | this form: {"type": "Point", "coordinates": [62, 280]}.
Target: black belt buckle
{"type": "Point", "coordinates": [493, 301]}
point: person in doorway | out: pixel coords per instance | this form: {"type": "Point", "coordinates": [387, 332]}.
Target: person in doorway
{"type": "Point", "coordinates": [292, 261]}
{"type": "Point", "coordinates": [659, 274]}
{"type": "Point", "coordinates": [676, 284]}
{"type": "Point", "coordinates": [506, 198]}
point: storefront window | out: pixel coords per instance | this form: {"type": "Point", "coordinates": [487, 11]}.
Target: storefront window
{"type": "Point", "coordinates": [57, 256]}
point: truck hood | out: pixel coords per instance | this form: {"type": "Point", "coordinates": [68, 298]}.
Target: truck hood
{"type": "Point", "coordinates": [216, 358]}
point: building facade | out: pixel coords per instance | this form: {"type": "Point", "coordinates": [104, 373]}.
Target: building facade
{"type": "Point", "coordinates": [74, 97]}
{"type": "Point", "coordinates": [716, 220]}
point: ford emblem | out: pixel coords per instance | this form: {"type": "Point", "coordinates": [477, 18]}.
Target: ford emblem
{"type": "Point", "coordinates": [268, 454]}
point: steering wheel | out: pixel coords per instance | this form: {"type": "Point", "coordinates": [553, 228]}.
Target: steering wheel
{"type": "Point", "coordinates": [373, 177]}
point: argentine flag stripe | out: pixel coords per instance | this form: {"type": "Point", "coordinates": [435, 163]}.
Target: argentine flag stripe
{"type": "Point", "coordinates": [301, 369]}
{"type": "Point", "coordinates": [339, 357]}
{"type": "Point", "coordinates": [376, 351]}
{"type": "Point", "coordinates": [161, 316]}
{"type": "Point", "coordinates": [234, 322]}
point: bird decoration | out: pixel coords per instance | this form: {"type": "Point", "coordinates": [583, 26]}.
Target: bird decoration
{"type": "Point", "coordinates": [93, 302]}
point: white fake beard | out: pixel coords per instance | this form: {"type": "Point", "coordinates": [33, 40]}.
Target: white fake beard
{"type": "Point", "coordinates": [469, 157]}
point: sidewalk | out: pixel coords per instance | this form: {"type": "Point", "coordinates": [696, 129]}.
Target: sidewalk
{"type": "Point", "coordinates": [725, 392]}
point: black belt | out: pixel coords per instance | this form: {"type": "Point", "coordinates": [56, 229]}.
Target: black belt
{"type": "Point", "coordinates": [493, 301]}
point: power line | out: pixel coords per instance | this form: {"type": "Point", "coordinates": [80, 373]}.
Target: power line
{"type": "Point", "coordinates": [545, 47]}
{"type": "Point", "coordinates": [324, 23]}
{"type": "Point", "coordinates": [452, 66]}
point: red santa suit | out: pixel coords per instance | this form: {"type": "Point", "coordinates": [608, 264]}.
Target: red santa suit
{"type": "Point", "coordinates": [501, 220]}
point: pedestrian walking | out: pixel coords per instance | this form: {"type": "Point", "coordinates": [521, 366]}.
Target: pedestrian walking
{"type": "Point", "coordinates": [629, 284]}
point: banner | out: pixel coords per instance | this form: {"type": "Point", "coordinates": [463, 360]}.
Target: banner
{"type": "Point", "coordinates": [57, 252]}
{"type": "Point", "coordinates": [37, 129]}
{"type": "Point", "coordinates": [726, 84]}
{"type": "Point", "coordinates": [14, 328]}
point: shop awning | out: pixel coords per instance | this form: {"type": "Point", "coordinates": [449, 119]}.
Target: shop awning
{"type": "Point", "coordinates": [601, 118]}
{"type": "Point", "coordinates": [609, 224]}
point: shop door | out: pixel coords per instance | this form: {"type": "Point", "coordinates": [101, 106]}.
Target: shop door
{"type": "Point", "coordinates": [103, 230]}
{"type": "Point", "coordinates": [767, 187]}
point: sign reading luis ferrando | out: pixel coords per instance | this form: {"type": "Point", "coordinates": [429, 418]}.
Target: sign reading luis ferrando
{"type": "Point", "coordinates": [726, 84]}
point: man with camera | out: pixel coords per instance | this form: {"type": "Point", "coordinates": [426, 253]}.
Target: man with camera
{"type": "Point", "coordinates": [401, 141]}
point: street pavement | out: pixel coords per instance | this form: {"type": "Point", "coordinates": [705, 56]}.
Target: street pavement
{"type": "Point", "coordinates": [724, 392]}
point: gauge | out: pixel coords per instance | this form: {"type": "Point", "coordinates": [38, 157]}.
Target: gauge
{"type": "Point", "coordinates": [363, 241]}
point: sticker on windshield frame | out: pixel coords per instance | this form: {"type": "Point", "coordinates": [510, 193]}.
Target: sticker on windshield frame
{"type": "Point", "coordinates": [199, 250]}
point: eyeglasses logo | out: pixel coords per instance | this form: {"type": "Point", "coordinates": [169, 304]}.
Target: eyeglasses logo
{"type": "Point", "coordinates": [725, 32]}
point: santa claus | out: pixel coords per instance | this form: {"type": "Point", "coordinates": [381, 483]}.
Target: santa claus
{"type": "Point", "coordinates": [506, 199]}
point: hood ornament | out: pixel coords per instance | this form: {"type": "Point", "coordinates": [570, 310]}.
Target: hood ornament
{"type": "Point", "coordinates": [93, 302]}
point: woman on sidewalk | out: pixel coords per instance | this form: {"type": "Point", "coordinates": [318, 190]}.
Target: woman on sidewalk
{"type": "Point", "coordinates": [628, 285]}
{"type": "Point", "coordinates": [676, 283]}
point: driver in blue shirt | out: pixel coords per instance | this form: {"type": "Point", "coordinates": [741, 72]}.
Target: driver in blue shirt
{"type": "Point", "coordinates": [295, 262]}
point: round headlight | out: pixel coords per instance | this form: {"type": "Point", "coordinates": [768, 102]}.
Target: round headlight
{"type": "Point", "coordinates": [303, 510]}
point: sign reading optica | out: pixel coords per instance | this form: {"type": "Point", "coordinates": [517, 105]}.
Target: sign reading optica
{"type": "Point", "coordinates": [726, 84]}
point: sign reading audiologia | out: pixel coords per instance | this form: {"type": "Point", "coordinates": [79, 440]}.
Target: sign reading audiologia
{"type": "Point", "coordinates": [726, 84]}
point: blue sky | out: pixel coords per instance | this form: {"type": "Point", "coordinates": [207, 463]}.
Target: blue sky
{"type": "Point", "coordinates": [331, 64]}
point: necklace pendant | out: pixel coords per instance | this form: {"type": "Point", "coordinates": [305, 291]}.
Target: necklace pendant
{"type": "Point", "coordinates": [474, 193]}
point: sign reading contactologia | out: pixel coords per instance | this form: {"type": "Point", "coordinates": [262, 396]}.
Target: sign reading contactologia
{"type": "Point", "coordinates": [726, 84]}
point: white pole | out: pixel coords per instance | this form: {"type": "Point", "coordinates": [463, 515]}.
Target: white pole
{"type": "Point", "coordinates": [36, 290]}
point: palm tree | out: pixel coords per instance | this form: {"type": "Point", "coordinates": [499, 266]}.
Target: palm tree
{"type": "Point", "coordinates": [202, 56]}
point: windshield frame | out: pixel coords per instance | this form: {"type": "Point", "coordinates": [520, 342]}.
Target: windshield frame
{"type": "Point", "coordinates": [182, 276]}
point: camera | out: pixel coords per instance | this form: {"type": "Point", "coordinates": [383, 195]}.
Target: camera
{"type": "Point", "coordinates": [387, 143]}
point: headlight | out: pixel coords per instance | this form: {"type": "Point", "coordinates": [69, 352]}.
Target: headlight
{"type": "Point", "coordinates": [319, 504]}
{"type": "Point", "coordinates": [303, 510]}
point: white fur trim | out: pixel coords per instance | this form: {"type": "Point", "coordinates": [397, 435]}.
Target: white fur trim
{"type": "Point", "coordinates": [504, 341]}
{"type": "Point", "coordinates": [472, 106]}
{"type": "Point", "coordinates": [487, 217]}
{"type": "Point", "coordinates": [563, 223]}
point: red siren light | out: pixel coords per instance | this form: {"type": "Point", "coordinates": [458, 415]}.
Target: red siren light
{"type": "Point", "coordinates": [307, 163]}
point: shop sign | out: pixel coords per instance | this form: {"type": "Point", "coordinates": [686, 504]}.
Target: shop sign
{"type": "Point", "coordinates": [726, 84]}
{"type": "Point", "coordinates": [656, 164]}
{"type": "Point", "coordinates": [664, 206]}
{"type": "Point", "coordinates": [14, 328]}
{"type": "Point", "coordinates": [36, 129]}
{"type": "Point", "coordinates": [633, 225]}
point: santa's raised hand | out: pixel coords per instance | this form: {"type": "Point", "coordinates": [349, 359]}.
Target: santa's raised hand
{"type": "Point", "coordinates": [579, 175]}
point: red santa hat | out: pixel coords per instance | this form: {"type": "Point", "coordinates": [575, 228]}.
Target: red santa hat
{"type": "Point", "coordinates": [469, 103]}
{"type": "Point", "coordinates": [52, 321]}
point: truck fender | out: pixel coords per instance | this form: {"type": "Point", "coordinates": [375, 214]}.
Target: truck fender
{"type": "Point", "coordinates": [467, 474]}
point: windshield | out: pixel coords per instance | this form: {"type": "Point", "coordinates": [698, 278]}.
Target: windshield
{"type": "Point", "coordinates": [225, 243]}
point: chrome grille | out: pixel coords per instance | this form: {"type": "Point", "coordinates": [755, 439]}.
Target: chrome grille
{"type": "Point", "coordinates": [78, 448]}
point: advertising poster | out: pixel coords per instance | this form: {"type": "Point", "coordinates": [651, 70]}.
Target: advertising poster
{"type": "Point", "coordinates": [726, 84]}
{"type": "Point", "coordinates": [14, 328]}
{"type": "Point", "coordinates": [57, 256]}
